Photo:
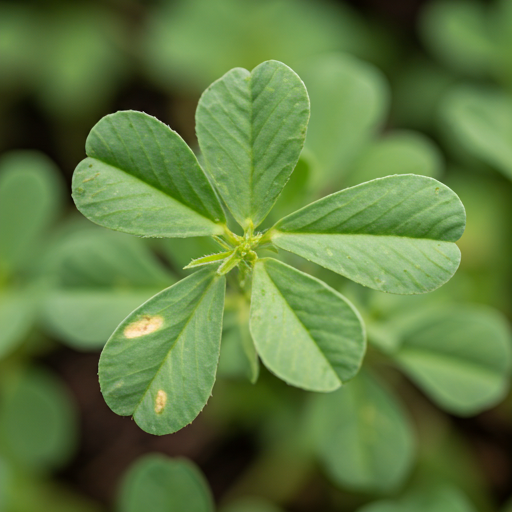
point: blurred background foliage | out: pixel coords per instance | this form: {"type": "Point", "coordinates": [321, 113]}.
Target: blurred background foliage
{"type": "Point", "coordinates": [421, 86]}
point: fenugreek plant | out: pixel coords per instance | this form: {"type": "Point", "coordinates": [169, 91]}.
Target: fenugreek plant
{"type": "Point", "coordinates": [394, 234]}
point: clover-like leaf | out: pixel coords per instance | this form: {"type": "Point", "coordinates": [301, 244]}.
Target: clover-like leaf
{"type": "Point", "coordinates": [83, 69]}
{"type": "Point", "coordinates": [297, 192]}
{"type": "Point", "coordinates": [18, 26]}
{"type": "Point", "coordinates": [221, 34]}
{"type": "Point", "coordinates": [140, 177]}
{"type": "Point", "coordinates": [24, 491]}
{"type": "Point", "coordinates": [17, 314]}
{"type": "Point", "coordinates": [363, 437]}
{"type": "Point", "coordinates": [38, 424]}
{"type": "Point", "coordinates": [457, 32]}
{"type": "Point", "coordinates": [394, 234]}
{"type": "Point", "coordinates": [251, 128]}
{"type": "Point", "coordinates": [305, 332]}
{"type": "Point", "coordinates": [349, 99]}
{"type": "Point", "coordinates": [103, 276]}
{"type": "Point", "coordinates": [30, 200]}
{"type": "Point", "coordinates": [459, 356]}
{"type": "Point", "coordinates": [160, 484]}
{"type": "Point", "coordinates": [160, 363]}
{"type": "Point", "coordinates": [480, 120]}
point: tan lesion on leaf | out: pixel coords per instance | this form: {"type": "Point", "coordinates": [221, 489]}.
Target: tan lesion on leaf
{"type": "Point", "coordinates": [160, 401]}
{"type": "Point", "coordinates": [146, 325]}
{"type": "Point", "coordinates": [92, 177]}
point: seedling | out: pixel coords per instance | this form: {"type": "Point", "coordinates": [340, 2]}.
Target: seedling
{"type": "Point", "coordinates": [394, 234]}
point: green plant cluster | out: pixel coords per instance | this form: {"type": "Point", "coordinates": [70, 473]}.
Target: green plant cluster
{"type": "Point", "coordinates": [393, 234]}
{"type": "Point", "coordinates": [249, 253]}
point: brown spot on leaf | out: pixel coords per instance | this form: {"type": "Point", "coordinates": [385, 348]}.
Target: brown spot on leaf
{"type": "Point", "coordinates": [146, 325]}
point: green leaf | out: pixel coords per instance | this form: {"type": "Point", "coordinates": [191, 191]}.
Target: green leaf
{"type": "Point", "coordinates": [85, 318]}
{"type": "Point", "coordinates": [459, 356]}
{"type": "Point", "coordinates": [30, 200]}
{"type": "Point", "coordinates": [349, 99]}
{"type": "Point", "coordinates": [37, 420]}
{"type": "Point", "coordinates": [480, 120]}
{"type": "Point", "coordinates": [17, 315]}
{"type": "Point", "coordinates": [437, 498]}
{"type": "Point", "coordinates": [98, 258]}
{"type": "Point", "coordinates": [401, 152]}
{"type": "Point", "coordinates": [251, 505]}
{"type": "Point", "coordinates": [251, 128]}
{"type": "Point", "coordinates": [18, 27]}
{"type": "Point", "coordinates": [24, 492]}
{"type": "Point", "coordinates": [238, 355]}
{"type": "Point", "coordinates": [229, 263]}
{"type": "Point", "coordinates": [209, 260]}
{"type": "Point", "coordinates": [364, 439]}
{"type": "Point", "coordinates": [160, 484]}
{"type": "Point", "coordinates": [392, 234]}
{"type": "Point", "coordinates": [432, 498]}
{"type": "Point", "coordinates": [190, 43]}
{"type": "Point", "coordinates": [103, 276]}
{"type": "Point", "coordinates": [297, 192]}
{"type": "Point", "coordinates": [458, 33]}
{"type": "Point", "coordinates": [160, 363]}
{"type": "Point", "coordinates": [81, 59]}
{"type": "Point", "coordinates": [305, 332]}
{"type": "Point", "coordinates": [141, 178]}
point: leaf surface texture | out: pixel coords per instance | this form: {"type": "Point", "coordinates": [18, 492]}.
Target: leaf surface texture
{"type": "Point", "coordinates": [394, 234]}
{"type": "Point", "coordinates": [251, 128]}
{"type": "Point", "coordinates": [160, 363]}
{"type": "Point", "coordinates": [308, 334]}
